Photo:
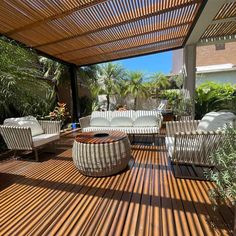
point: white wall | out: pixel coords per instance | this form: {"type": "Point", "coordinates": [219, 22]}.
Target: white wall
{"type": "Point", "coordinates": [217, 77]}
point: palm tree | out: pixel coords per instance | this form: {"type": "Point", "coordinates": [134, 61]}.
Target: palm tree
{"type": "Point", "coordinates": [110, 75]}
{"type": "Point", "coordinates": [136, 86]}
{"type": "Point", "coordinates": [160, 81]}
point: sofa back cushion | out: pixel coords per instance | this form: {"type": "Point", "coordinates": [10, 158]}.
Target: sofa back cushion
{"type": "Point", "coordinates": [99, 122]}
{"type": "Point", "coordinates": [213, 121]}
{"type": "Point", "coordinates": [146, 121]}
{"type": "Point", "coordinates": [121, 122]}
{"type": "Point", "coordinates": [148, 113]}
{"type": "Point", "coordinates": [27, 121]}
{"type": "Point", "coordinates": [103, 114]}
{"type": "Point", "coordinates": [128, 114]}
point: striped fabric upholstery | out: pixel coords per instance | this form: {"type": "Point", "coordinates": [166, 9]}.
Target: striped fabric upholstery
{"type": "Point", "coordinates": [128, 130]}
{"type": "Point", "coordinates": [101, 159]}
{"type": "Point", "coordinates": [130, 113]}
{"type": "Point", "coordinates": [17, 138]}
{"type": "Point", "coordinates": [187, 145]}
{"type": "Point", "coordinates": [103, 114]}
{"type": "Point", "coordinates": [148, 113]}
{"type": "Point", "coordinates": [20, 138]}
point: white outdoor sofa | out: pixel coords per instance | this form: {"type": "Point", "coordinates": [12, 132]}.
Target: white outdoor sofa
{"type": "Point", "coordinates": [130, 122]}
{"type": "Point", "coordinates": [193, 141]}
{"type": "Point", "coordinates": [27, 133]}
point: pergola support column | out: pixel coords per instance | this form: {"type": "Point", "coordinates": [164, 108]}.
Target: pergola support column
{"type": "Point", "coordinates": [74, 91]}
{"type": "Point", "coordinates": [189, 57]}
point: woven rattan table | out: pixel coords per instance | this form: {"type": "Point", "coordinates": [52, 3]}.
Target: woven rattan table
{"type": "Point", "coordinates": [101, 153]}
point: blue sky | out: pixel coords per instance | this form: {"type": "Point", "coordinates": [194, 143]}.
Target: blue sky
{"type": "Point", "coordinates": [159, 62]}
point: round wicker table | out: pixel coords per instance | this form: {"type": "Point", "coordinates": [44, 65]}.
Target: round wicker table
{"type": "Point", "coordinates": [101, 153]}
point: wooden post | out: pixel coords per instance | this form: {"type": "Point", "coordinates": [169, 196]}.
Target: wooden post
{"type": "Point", "coordinates": [74, 90]}
{"type": "Point", "coordinates": [189, 58]}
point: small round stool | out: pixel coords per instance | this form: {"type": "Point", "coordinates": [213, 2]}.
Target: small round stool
{"type": "Point", "coordinates": [101, 153]}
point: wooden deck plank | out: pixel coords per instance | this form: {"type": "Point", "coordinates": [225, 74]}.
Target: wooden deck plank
{"type": "Point", "coordinates": [53, 198]}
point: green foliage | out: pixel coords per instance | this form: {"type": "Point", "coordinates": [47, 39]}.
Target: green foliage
{"type": "Point", "coordinates": [86, 105]}
{"type": "Point", "coordinates": [183, 106]}
{"type": "Point", "coordinates": [136, 87]}
{"type": "Point", "coordinates": [225, 159]}
{"type": "Point", "coordinates": [170, 95]}
{"type": "Point", "coordinates": [111, 74]}
{"type": "Point", "coordinates": [21, 93]}
{"type": "Point", "coordinates": [214, 97]}
{"type": "Point", "coordinates": [160, 81]}
{"type": "Point", "coordinates": [177, 81]}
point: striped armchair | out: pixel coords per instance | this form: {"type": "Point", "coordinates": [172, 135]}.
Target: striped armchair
{"type": "Point", "coordinates": [187, 145]}
{"type": "Point", "coordinates": [26, 133]}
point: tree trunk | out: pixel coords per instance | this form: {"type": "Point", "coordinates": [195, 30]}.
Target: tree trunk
{"type": "Point", "coordinates": [135, 103]}
{"type": "Point", "coordinates": [108, 102]}
{"type": "Point", "coordinates": [234, 219]}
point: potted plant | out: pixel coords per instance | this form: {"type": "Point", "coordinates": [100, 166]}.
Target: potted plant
{"type": "Point", "coordinates": [59, 113]}
{"type": "Point", "coordinates": [225, 179]}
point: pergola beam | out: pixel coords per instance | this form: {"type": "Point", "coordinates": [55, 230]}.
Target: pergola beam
{"type": "Point", "coordinates": [218, 21]}
{"type": "Point", "coordinates": [219, 39]}
{"type": "Point", "coordinates": [208, 14]}
{"type": "Point", "coordinates": [135, 56]}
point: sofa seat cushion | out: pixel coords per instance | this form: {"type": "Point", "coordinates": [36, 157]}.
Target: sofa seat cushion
{"type": "Point", "coordinates": [99, 121]}
{"type": "Point", "coordinates": [128, 130]}
{"type": "Point", "coordinates": [214, 121]}
{"type": "Point", "coordinates": [146, 121]}
{"type": "Point", "coordinates": [42, 139]}
{"type": "Point", "coordinates": [121, 122]}
{"type": "Point", "coordinates": [27, 121]}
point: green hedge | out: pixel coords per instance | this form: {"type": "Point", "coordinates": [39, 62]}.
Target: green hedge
{"type": "Point", "coordinates": [214, 97]}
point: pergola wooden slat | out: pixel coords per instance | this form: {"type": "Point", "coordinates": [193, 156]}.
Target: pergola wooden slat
{"type": "Point", "coordinates": [88, 32]}
{"type": "Point", "coordinates": [223, 26]}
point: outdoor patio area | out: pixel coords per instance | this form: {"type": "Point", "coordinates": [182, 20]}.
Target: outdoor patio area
{"type": "Point", "coordinates": [51, 197]}
{"type": "Point", "coordinates": [166, 119]}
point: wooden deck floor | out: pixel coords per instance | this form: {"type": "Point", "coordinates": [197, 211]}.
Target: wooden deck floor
{"type": "Point", "coordinates": [52, 198]}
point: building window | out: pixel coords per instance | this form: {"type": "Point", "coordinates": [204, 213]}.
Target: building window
{"type": "Point", "coordinates": [220, 46]}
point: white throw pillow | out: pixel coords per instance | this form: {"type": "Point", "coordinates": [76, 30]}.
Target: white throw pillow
{"type": "Point", "coordinates": [213, 121]}
{"type": "Point", "coordinates": [99, 122]}
{"type": "Point", "coordinates": [145, 121]}
{"type": "Point", "coordinates": [27, 121]}
{"type": "Point", "coordinates": [121, 122]}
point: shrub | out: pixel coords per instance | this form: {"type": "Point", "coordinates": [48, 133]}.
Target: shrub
{"type": "Point", "coordinates": [214, 97]}
{"type": "Point", "coordinates": [225, 159]}
{"type": "Point", "coordinates": [171, 96]}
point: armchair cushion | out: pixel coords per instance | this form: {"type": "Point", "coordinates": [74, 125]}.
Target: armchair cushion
{"type": "Point", "coordinates": [27, 121]}
{"type": "Point", "coordinates": [213, 121]}
{"type": "Point", "coordinates": [42, 139]}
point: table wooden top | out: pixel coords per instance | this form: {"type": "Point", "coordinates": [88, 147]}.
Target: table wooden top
{"type": "Point", "coordinates": [100, 137]}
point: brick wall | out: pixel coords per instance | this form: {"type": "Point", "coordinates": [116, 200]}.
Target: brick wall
{"type": "Point", "coordinates": [208, 55]}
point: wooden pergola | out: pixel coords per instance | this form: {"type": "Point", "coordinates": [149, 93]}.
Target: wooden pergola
{"type": "Point", "coordinates": [93, 31]}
